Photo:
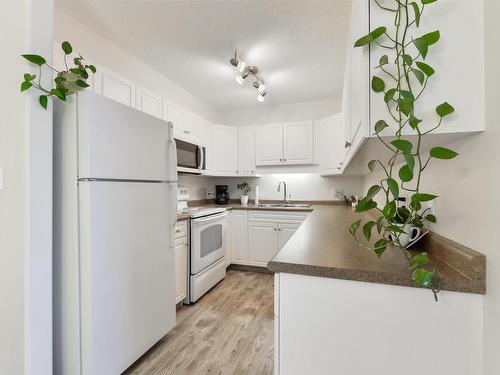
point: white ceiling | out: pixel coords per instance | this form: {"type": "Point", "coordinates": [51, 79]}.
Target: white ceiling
{"type": "Point", "coordinates": [299, 46]}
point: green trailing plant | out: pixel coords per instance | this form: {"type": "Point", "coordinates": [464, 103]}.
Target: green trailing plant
{"type": "Point", "coordinates": [244, 188]}
{"type": "Point", "coordinates": [65, 82]}
{"type": "Point", "coordinates": [401, 78]}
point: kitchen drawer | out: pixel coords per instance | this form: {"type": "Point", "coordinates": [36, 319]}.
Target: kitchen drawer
{"type": "Point", "coordinates": [277, 216]}
{"type": "Point", "coordinates": [181, 229]}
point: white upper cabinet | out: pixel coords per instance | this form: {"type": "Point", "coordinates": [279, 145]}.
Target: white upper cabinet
{"type": "Point", "coordinates": [329, 147]}
{"type": "Point", "coordinates": [269, 144]}
{"type": "Point", "coordinates": [298, 143]}
{"type": "Point", "coordinates": [114, 86]}
{"type": "Point", "coordinates": [148, 102]}
{"type": "Point", "coordinates": [225, 150]}
{"type": "Point", "coordinates": [356, 92]}
{"type": "Point", "coordinates": [285, 144]}
{"type": "Point", "coordinates": [458, 78]}
{"type": "Point", "coordinates": [246, 151]}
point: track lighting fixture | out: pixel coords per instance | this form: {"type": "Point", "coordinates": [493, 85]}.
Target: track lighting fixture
{"type": "Point", "coordinates": [262, 96]}
{"type": "Point", "coordinates": [245, 71]}
{"type": "Point", "coordinates": [240, 78]}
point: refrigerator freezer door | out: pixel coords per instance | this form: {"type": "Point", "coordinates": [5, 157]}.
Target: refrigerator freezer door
{"type": "Point", "coordinates": [119, 142]}
{"type": "Point", "coordinates": [127, 272]}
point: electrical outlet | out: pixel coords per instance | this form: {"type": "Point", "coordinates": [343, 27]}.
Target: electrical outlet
{"type": "Point", "coordinates": [210, 194]}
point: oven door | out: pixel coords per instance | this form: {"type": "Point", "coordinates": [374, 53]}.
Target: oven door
{"type": "Point", "coordinates": [190, 157]}
{"type": "Point", "coordinates": [208, 241]}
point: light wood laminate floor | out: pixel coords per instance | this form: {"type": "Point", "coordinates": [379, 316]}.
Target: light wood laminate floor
{"type": "Point", "coordinates": [228, 331]}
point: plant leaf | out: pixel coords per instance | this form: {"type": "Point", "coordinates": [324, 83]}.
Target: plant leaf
{"type": "Point", "coordinates": [416, 10]}
{"type": "Point", "coordinates": [405, 173]}
{"type": "Point", "coordinates": [363, 41]}
{"type": "Point", "coordinates": [367, 229]}
{"type": "Point", "coordinates": [402, 145]}
{"type": "Point", "coordinates": [413, 121]}
{"type": "Point", "coordinates": [405, 105]}
{"type": "Point", "coordinates": [407, 59]}
{"type": "Point", "coordinates": [59, 93]}
{"type": "Point", "coordinates": [422, 197]}
{"type": "Point", "coordinates": [442, 153]}
{"type": "Point", "coordinates": [419, 260]}
{"type": "Point", "coordinates": [444, 109]}
{"type": "Point", "coordinates": [393, 187]}
{"type": "Point", "coordinates": [380, 246]}
{"type": "Point", "coordinates": [428, 1]}
{"type": "Point", "coordinates": [66, 47]}
{"type": "Point", "coordinates": [354, 227]}
{"type": "Point", "coordinates": [35, 59]}
{"type": "Point", "coordinates": [427, 69]}
{"type": "Point", "coordinates": [380, 125]}
{"type": "Point", "coordinates": [378, 32]}
{"type": "Point", "coordinates": [389, 95]}
{"type": "Point", "coordinates": [372, 164]}
{"type": "Point", "coordinates": [365, 205]}
{"type": "Point", "coordinates": [422, 277]}
{"type": "Point", "coordinates": [29, 77]}
{"type": "Point", "coordinates": [431, 38]}
{"type": "Point", "coordinates": [384, 60]}
{"type": "Point", "coordinates": [420, 75]}
{"type": "Point", "coordinates": [372, 191]}
{"type": "Point", "coordinates": [81, 83]}
{"type": "Point", "coordinates": [378, 84]}
{"type": "Point", "coordinates": [92, 69]}
{"type": "Point", "coordinates": [410, 160]}
{"type": "Point", "coordinates": [43, 100]}
{"type": "Point", "coordinates": [421, 46]}
{"type": "Point", "coordinates": [430, 218]}
{"type": "Point", "coordinates": [389, 210]}
{"type": "Point", "coordinates": [25, 85]}
{"type": "Point", "coordinates": [59, 79]}
{"type": "Point", "coordinates": [407, 94]}
{"type": "Point", "coordinates": [380, 224]}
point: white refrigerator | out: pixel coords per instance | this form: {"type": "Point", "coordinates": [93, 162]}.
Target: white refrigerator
{"type": "Point", "coordinates": [115, 202]}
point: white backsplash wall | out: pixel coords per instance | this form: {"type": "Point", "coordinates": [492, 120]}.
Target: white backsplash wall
{"type": "Point", "coordinates": [301, 186]}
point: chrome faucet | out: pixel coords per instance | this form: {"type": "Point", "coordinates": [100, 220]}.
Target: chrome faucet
{"type": "Point", "coordinates": [285, 199]}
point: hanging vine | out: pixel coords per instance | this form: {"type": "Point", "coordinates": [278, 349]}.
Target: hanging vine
{"type": "Point", "coordinates": [401, 78]}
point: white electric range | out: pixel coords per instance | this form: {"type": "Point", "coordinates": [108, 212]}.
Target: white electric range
{"type": "Point", "coordinates": [207, 242]}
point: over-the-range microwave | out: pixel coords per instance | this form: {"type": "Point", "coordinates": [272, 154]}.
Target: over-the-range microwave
{"type": "Point", "coordinates": [191, 158]}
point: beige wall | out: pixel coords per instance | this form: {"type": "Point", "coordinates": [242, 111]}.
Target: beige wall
{"type": "Point", "coordinates": [468, 189]}
{"type": "Point", "coordinates": [25, 200]}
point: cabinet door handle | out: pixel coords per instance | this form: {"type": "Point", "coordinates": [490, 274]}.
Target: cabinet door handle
{"type": "Point", "coordinates": [347, 144]}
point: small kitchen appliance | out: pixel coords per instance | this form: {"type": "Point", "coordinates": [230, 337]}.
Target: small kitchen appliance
{"type": "Point", "coordinates": [221, 194]}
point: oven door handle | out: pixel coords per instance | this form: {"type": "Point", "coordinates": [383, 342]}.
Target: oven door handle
{"type": "Point", "coordinates": [209, 219]}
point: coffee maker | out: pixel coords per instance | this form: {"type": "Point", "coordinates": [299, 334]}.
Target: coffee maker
{"type": "Point", "coordinates": [221, 194]}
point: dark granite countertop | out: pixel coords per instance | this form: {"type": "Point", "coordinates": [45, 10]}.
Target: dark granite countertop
{"type": "Point", "coordinates": [323, 247]}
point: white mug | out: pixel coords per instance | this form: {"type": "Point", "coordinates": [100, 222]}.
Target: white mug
{"type": "Point", "coordinates": [412, 233]}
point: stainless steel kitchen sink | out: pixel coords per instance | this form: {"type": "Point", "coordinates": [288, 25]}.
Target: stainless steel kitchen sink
{"type": "Point", "coordinates": [285, 205]}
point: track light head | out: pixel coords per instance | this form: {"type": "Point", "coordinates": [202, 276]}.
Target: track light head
{"type": "Point", "coordinates": [262, 96]}
{"type": "Point", "coordinates": [240, 78]}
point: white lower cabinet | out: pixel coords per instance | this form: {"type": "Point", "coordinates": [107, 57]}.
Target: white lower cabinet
{"type": "Point", "coordinates": [239, 237]}
{"type": "Point", "coordinates": [285, 232]}
{"type": "Point", "coordinates": [262, 242]}
{"type": "Point", "coordinates": [256, 236]}
{"type": "Point", "coordinates": [268, 232]}
{"type": "Point", "coordinates": [181, 261]}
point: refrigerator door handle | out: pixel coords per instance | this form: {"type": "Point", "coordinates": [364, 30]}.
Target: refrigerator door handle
{"type": "Point", "coordinates": [173, 212]}
{"type": "Point", "coordinates": [172, 153]}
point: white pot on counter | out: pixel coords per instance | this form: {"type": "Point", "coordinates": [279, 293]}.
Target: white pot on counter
{"type": "Point", "coordinates": [244, 200]}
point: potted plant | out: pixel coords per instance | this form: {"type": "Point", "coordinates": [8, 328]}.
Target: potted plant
{"type": "Point", "coordinates": [403, 75]}
{"type": "Point", "coordinates": [66, 82]}
{"type": "Point", "coordinates": [245, 189]}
